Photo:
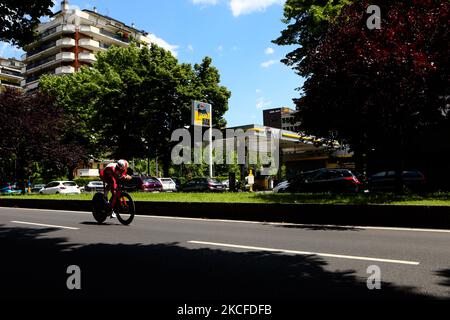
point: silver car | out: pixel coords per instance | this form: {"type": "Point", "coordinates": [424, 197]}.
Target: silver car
{"type": "Point", "coordinates": [168, 184]}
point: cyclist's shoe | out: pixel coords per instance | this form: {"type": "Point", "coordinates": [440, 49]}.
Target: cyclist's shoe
{"type": "Point", "coordinates": [113, 215]}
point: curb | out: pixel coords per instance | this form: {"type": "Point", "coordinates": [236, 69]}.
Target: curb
{"type": "Point", "coordinates": [436, 217]}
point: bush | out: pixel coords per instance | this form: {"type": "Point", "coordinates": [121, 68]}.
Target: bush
{"type": "Point", "coordinates": [81, 182]}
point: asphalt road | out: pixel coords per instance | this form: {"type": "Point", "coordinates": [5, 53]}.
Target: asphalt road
{"type": "Point", "coordinates": [175, 259]}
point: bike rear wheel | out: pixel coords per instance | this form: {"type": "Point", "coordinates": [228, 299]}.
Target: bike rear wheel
{"type": "Point", "coordinates": [125, 209]}
{"type": "Point", "coordinates": [100, 210]}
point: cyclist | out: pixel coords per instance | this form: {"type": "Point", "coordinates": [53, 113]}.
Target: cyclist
{"type": "Point", "coordinates": [113, 172]}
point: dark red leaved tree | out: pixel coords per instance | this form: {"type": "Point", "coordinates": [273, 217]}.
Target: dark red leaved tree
{"type": "Point", "coordinates": [385, 92]}
{"type": "Point", "coordinates": [31, 130]}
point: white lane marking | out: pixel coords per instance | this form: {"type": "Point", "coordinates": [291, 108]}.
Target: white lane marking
{"type": "Point", "coordinates": [45, 210]}
{"type": "Point", "coordinates": [330, 255]}
{"type": "Point", "coordinates": [44, 225]}
{"type": "Point", "coordinates": [255, 222]}
{"type": "Point", "coordinates": [298, 224]}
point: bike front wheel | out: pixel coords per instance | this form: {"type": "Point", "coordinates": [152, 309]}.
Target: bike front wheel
{"type": "Point", "coordinates": [99, 208]}
{"type": "Point", "coordinates": [125, 209]}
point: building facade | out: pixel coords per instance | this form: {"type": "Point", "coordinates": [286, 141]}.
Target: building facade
{"type": "Point", "coordinates": [10, 73]}
{"type": "Point", "coordinates": [71, 39]}
{"type": "Point", "coordinates": [281, 118]}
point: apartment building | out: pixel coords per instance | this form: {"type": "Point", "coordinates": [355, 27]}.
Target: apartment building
{"type": "Point", "coordinates": [10, 73]}
{"type": "Point", "coordinates": [281, 118]}
{"type": "Point", "coordinates": [70, 40]}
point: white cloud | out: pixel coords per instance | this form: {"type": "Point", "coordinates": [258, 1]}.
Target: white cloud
{"type": "Point", "coordinates": [205, 2]}
{"type": "Point", "coordinates": [240, 7]}
{"type": "Point", "coordinates": [9, 51]}
{"type": "Point", "coordinates": [267, 64]}
{"type": "Point", "coordinates": [163, 44]}
{"type": "Point", "coordinates": [190, 48]}
{"type": "Point", "coordinates": [258, 90]}
{"type": "Point", "coordinates": [263, 103]}
{"type": "Point", "coordinates": [269, 50]}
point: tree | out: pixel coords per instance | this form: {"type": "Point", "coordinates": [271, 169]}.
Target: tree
{"type": "Point", "coordinates": [381, 91]}
{"type": "Point", "coordinates": [133, 98]}
{"type": "Point", "coordinates": [31, 126]}
{"type": "Point", "coordinates": [19, 18]}
{"type": "Point", "coordinates": [307, 23]}
{"type": "Point", "coordinates": [77, 95]}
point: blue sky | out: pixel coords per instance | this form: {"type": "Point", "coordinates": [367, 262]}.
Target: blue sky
{"type": "Point", "coordinates": [236, 34]}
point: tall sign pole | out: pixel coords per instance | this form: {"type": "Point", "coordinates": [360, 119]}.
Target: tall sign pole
{"type": "Point", "coordinates": [202, 117]}
{"type": "Point", "coordinates": [210, 145]}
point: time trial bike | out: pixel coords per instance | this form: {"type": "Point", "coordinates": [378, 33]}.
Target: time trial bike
{"type": "Point", "coordinates": [124, 207]}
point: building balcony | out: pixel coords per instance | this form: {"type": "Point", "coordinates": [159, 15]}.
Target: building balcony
{"type": "Point", "coordinates": [89, 44]}
{"type": "Point", "coordinates": [89, 30]}
{"type": "Point", "coordinates": [65, 56]}
{"type": "Point", "coordinates": [47, 62]}
{"type": "Point", "coordinates": [31, 85]}
{"type": "Point", "coordinates": [65, 70]}
{"type": "Point", "coordinates": [48, 34]}
{"type": "Point", "coordinates": [10, 85]}
{"type": "Point", "coordinates": [10, 75]}
{"type": "Point", "coordinates": [105, 35]}
{"type": "Point", "coordinates": [53, 46]}
{"type": "Point", "coordinates": [87, 57]}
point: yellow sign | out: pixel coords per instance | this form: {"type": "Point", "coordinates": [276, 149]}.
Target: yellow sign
{"type": "Point", "coordinates": [201, 114]}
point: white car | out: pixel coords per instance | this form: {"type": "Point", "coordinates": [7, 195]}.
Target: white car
{"type": "Point", "coordinates": [60, 187]}
{"type": "Point", "coordinates": [168, 184]}
{"type": "Point", "coordinates": [281, 187]}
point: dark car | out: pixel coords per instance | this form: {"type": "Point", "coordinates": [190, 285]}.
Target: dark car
{"type": "Point", "coordinates": [387, 181]}
{"type": "Point", "coordinates": [136, 183]}
{"type": "Point", "coordinates": [203, 185]}
{"type": "Point", "coordinates": [177, 183]}
{"type": "Point", "coordinates": [325, 180]}
{"type": "Point", "coordinates": [151, 184]}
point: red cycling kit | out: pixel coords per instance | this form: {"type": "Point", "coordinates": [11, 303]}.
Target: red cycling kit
{"type": "Point", "coordinates": [111, 174]}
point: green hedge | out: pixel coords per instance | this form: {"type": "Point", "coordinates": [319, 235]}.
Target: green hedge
{"type": "Point", "coordinates": [81, 182]}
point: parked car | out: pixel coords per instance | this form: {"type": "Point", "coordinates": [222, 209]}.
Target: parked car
{"type": "Point", "coordinates": [151, 184]}
{"type": "Point", "coordinates": [94, 186]}
{"type": "Point", "coordinates": [412, 181]}
{"type": "Point", "coordinates": [135, 184]}
{"type": "Point", "coordinates": [177, 183]}
{"type": "Point", "coordinates": [61, 187]}
{"type": "Point", "coordinates": [37, 187]}
{"type": "Point", "coordinates": [168, 184]}
{"type": "Point", "coordinates": [226, 184]}
{"type": "Point", "coordinates": [203, 185]}
{"type": "Point", "coordinates": [325, 180]}
{"type": "Point", "coordinates": [7, 188]}
{"type": "Point", "coordinates": [281, 187]}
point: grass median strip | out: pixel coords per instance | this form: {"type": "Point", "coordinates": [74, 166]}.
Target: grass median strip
{"type": "Point", "coordinates": [433, 199]}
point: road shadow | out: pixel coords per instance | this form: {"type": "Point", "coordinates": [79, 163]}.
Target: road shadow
{"type": "Point", "coordinates": [445, 274]}
{"type": "Point", "coordinates": [34, 267]}
{"type": "Point", "coordinates": [93, 223]}
{"type": "Point", "coordinates": [317, 227]}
